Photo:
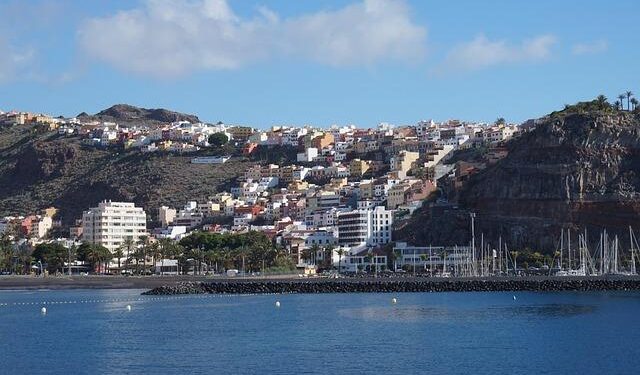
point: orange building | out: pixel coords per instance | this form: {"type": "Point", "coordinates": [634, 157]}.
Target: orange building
{"type": "Point", "coordinates": [322, 141]}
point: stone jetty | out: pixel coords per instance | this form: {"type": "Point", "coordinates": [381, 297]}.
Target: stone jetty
{"type": "Point", "coordinates": [399, 285]}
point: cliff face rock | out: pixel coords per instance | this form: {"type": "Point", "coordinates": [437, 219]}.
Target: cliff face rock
{"type": "Point", "coordinates": [578, 170]}
{"type": "Point", "coordinates": [124, 113]}
{"type": "Point", "coordinates": [42, 160]}
{"type": "Point", "coordinates": [571, 159]}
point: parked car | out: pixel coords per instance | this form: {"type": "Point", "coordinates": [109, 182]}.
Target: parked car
{"type": "Point", "coordinates": [232, 272]}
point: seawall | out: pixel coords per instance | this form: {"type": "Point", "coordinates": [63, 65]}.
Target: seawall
{"type": "Point", "coordinates": [400, 285]}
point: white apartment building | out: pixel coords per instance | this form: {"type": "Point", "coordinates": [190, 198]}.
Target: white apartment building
{"type": "Point", "coordinates": [320, 218]}
{"type": "Point", "coordinates": [431, 256]}
{"type": "Point", "coordinates": [111, 223]}
{"type": "Point", "coordinates": [308, 155]}
{"type": "Point", "coordinates": [322, 200]}
{"type": "Point", "coordinates": [423, 129]}
{"type": "Point", "coordinates": [321, 238]}
{"type": "Point", "coordinates": [365, 227]}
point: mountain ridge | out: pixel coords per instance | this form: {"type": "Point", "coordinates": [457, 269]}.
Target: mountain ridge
{"type": "Point", "coordinates": [126, 113]}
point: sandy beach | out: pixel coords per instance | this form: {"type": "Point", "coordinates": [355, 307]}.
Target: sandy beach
{"type": "Point", "coordinates": [92, 282]}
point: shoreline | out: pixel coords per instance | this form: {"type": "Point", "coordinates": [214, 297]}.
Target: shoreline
{"type": "Point", "coordinates": [17, 283]}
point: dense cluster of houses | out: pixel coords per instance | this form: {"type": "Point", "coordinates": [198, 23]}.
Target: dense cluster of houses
{"type": "Point", "coordinates": [345, 189]}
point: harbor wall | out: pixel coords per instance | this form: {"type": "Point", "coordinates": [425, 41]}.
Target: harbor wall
{"type": "Point", "coordinates": [400, 285]}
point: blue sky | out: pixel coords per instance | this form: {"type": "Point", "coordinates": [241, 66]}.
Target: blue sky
{"type": "Point", "coordinates": [317, 62]}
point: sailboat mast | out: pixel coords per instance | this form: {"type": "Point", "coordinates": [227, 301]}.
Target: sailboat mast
{"type": "Point", "coordinates": [561, 248]}
{"type": "Point", "coordinates": [601, 254]}
{"type": "Point", "coordinates": [500, 252]}
{"type": "Point", "coordinates": [569, 248]}
{"type": "Point", "coordinates": [633, 260]}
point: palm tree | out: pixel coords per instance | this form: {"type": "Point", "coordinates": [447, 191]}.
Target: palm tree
{"type": "Point", "coordinates": [211, 257]}
{"type": "Point", "coordinates": [6, 252]}
{"type": "Point", "coordinates": [198, 255]}
{"type": "Point", "coordinates": [241, 254]}
{"type": "Point", "coordinates": [369, 257]}
{"type": "Point", "coordinates": [24, 257]}
{"type": "Point", "coordinates": [621, 97]}
{"type": "Point", "coordinates": [617, 104]}
{"type": "Point", "coordinates": [281, 256]}
{"type": "Point", "coordinates": [634, 102]}
{"type": "Point", "coordinates": [119, 253]}
{"type": "Point", "coordinates": [128, 245]}
{"type": "Point", "coordinates": [315, 249]}
{"type": "Point", "coordinates": [153, 251]}
{"type": "Point", "coordinates": [307, 255]}
{"type": "Point", "coordinates": [328, 256]}
{"type": "Point", "coordinates": [514, 255]}
{"type": "Point", "coordinates": [166, 248]}
{"type": "Point", "coordinates": [144, 244]}
{"type": "Point", "coordinates": [340, 253]}
{"type": "Point", "coordinates": [601, 99]}
{"type": "Point", "coordinates": [628, 94]}
{"type": "Point", "coordinates": [393, 256]}
{"type": "Point", "coordinates": [423, 258]}
{"type": "Point", "coordinates": [97, 255]}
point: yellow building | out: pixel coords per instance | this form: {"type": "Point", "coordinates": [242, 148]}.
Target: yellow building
{"type": "Point", "coordinates": [298, 186]}
{"type": "Point", "coordinates": [396, 196]}
{"type": "Point", "coordinates": [402, 162]}
{"type": "Point", "coordinates": [358, 167]}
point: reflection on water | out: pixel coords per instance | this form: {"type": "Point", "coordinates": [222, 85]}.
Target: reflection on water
{"type": "Point", "coordinates": [411, 314]}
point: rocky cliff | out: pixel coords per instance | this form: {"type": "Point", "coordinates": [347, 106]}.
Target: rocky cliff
{"type": "Point", "coordinates": [577, 169]}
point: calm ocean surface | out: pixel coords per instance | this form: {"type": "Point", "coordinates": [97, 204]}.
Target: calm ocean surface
{"type": "Point", "coordinates": [448, 333]}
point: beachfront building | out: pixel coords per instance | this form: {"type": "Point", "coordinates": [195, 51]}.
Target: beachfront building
{"type": "Point", "coordinates": [370, 227]}
{"type": "Point", "coordinates": [431, 257]}
{"type": "Point", "coordinates": [112, 223]}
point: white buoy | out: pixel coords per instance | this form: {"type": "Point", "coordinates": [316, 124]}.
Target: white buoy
{"type": "Point", "coordinates": [514, 298]}
{"type": "Point", "coordinates": [128, 307]}
{"type": "Point", "coordinates": [394, 300]}
{"type": "Point", "coordinates": [43, 310]}
{"type": "Point", "coordinates": [277, 303]}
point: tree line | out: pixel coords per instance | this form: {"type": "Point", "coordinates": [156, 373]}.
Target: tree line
{"type": "Point", "coordinates": [199, 252]}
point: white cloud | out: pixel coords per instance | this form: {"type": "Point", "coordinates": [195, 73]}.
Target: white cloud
{"type": "Point", "coordinates": [482, 53]}
{"type": "Point", "coordinates": [172, 37]}
{"type": "Point", "coordinates": [14, 62]}
{"type": "Point", "coordinates": [596, 46]}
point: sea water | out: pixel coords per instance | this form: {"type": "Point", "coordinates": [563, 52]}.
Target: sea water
{"type": "Point", "coordinates": [93, 332]}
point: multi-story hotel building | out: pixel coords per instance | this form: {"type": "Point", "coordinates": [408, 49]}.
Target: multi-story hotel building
{"type": "Point", "coordinates": [111, 223]}
{"type": "Point", "coordinates": [370, 227]}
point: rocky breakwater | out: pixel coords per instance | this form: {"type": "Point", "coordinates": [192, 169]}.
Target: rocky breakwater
{"type": "Point", "coordinates": [400, 285]}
